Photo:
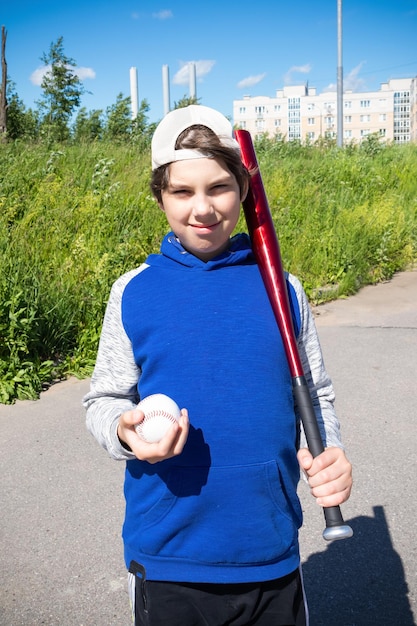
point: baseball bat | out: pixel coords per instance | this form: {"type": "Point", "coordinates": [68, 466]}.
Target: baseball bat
{"type": "Point", "coordinates": [268, 256]}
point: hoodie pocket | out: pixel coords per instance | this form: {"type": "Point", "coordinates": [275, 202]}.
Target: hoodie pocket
{"type": "Point", "coordinates": [244, 515]}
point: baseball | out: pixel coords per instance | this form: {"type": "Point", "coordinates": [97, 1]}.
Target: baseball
{"type": "Point", "coordinates": [160, 413]}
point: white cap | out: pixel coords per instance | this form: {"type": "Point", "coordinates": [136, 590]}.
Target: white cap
{"type": "Point", "coordinates": [175, 122]}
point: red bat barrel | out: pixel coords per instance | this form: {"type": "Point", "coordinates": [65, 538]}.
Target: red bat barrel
{"type": "Point", "coordinates": [268, 256]}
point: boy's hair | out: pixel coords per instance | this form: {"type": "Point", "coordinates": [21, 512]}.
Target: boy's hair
{"type": "Point", "coordinates": [201, 138]}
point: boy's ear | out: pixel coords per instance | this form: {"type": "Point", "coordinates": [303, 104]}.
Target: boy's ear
{"type": "Point", "coordinates": [161, 206]}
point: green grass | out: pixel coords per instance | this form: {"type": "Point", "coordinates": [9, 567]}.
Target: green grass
{"type": "Point", "coordinates": [73, 218]}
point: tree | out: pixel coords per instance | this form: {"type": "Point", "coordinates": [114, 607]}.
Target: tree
{"type": "Point", "coordinates": [185, 101]}
{"type": "Point", "coordinates": [3, 89]}
{"type": "Point", "coordinates": [142, 131]}
{"type": "Point", "coordinates": [21, 123]}
{"type": "Point", "coordinates": [118, 120]}
{"type": "Point", "coordinates": [62, 91]}
{"type": "Point", "coordinates": [88, 126]}
{"type": "Point", "coordinates": [120, 126]}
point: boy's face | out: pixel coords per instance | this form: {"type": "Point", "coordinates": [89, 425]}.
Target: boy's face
{"type": "Point", "coordinates": [202, 205]}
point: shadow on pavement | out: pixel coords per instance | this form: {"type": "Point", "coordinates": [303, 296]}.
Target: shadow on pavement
{"type": "Point", "coordinates": [359, 585]}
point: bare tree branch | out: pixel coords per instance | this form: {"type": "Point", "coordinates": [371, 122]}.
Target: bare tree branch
{"type": "Point", "coordinates": [3, 95]}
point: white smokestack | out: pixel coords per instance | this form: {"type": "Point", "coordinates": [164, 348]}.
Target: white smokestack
{"type": "Point", "coordinates": [192, 79]}
{"type": "Point", "coordinates": [134, 100]}
{"type": "Point", "coordinates": [165, 88]}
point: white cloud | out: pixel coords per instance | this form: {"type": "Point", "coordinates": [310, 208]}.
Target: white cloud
{"type": "Point", "coordinates": [201, 69]}
{"type": "Point", "coordinates": [250, 81]}
{"type": "Point", "coordinates": [351, 82]}
{"type": "Point", "coordinates": [84, 72]}
{"type": "Point", "coordinates": [330, 87]}
{"type": "Point", "coordinates": [165, 14]}
{"type": "Point", "coordinates": [36, 77]}
{"type": "Point", "coordinates": [296, 69]}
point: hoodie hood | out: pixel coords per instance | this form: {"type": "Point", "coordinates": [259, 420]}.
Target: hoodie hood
{"type": "Point", "coordinates": [239, 252]}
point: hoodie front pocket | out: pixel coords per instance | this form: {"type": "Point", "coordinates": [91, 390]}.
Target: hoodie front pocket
{"type": "Point", "coordinates": [244, 515]}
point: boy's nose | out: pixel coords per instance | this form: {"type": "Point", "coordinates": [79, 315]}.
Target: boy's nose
{"type": "Point", "coordinates": [202, 205]}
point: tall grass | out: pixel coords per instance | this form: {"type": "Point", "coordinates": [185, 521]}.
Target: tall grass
{"type": "Point", "coordinates": [73, 218]}
{"type": "Point", "coordinates": [345, 218]}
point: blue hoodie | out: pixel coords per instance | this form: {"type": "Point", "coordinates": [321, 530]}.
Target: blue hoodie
{"type": "Point", "coordinates": [226, 509]}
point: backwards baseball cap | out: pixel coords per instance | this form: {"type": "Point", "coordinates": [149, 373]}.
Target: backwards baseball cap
{"type": "Point", "coordinates": [175, 122]}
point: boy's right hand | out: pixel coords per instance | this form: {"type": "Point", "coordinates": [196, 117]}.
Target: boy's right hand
{"type": "Point", "coordinates": [170, 445]}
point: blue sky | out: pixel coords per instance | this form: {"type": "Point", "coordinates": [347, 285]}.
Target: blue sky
{"type": "Point", "coordinates": [239, 47]}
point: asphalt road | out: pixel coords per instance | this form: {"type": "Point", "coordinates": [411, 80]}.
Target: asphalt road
{"type": "Point", "coordinates": [62, 501]}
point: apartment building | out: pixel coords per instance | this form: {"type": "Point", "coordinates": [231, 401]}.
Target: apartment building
{"type": "Point", "coordinates": [299, 113]}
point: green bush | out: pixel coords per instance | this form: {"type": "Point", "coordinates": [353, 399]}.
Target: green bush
{"type": "Point", "coordinates": [75, 217]}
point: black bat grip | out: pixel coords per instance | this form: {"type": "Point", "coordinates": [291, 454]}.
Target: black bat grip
{"type": "Point", "coordinates": [335, 526]}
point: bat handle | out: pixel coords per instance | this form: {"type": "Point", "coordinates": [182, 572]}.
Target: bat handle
{"type": "Point", "coordinates": [335, 526]}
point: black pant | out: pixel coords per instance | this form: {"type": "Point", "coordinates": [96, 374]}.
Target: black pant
{"type": "Point", "coordinates": [272, 603]}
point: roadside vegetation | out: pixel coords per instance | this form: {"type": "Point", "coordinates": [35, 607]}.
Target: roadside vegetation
{"type": "Point", "coordinates": [76, 212]}
{"type": "Point", "coordinates": [75, 217]}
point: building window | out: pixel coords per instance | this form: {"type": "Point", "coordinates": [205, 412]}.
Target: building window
{"type": "Point", "coordinates": [311, 121]}
{"type": "Point", "coordinates": [401, 116]}
{"type": "Point", "coordinates": [382, 132]}
{"type": "Point", "coordinates": [402, 124]}
{"type": "Point", "coordinates": [348, 119]}
{"type": "Point", "coordinates": [242, 125]}
{"type": "Point", "coordinates": [365, 132]}
{"type": "Point", "coordinates": [260, 124]}
{"type": "Point", "coordinates": [365, 118]}
{"type": "Point", "coordinates": [293, 104]}
{"type": "Point", "coordinates": [347, 134]}
{"type": "Point", "coordinates": [311, 135]}
{"type": "Point", "coordinates": [382, 117]}
{"type": "Point", "coordinates": [277, 123]}
{"type": "Point", "coordinates": [294, 119]}
{"type": "Point", "coordinates": [365, 104]}
{"type": "Point", "coordinates": [402, 95]}
{"type": "Point", "coordinates": [348, 104]}
{"type": "Point", "coordinates": [259, 110]}
{"type": "Point", "coordinates": [294, 132]}
{"type": "Point", "coordinates": [277, 107]}
{"type": "Point", "coordinates": [402, 109]}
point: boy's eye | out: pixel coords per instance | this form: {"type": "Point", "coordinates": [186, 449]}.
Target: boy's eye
{"type": "Point", "coordinates": [220, 187]}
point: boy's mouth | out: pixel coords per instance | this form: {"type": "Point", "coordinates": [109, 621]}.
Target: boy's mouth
{"type": "Point", "coordinates": [205, 226]}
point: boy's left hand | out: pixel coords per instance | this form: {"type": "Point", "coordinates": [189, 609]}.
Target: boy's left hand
{"type": "Point", "coordinates": [329, 475]}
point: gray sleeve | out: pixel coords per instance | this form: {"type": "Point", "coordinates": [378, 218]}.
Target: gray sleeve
{"type": "Point", "coordinates": [113, 388]}
{"type": "Point", "coordinates": [319, 382]}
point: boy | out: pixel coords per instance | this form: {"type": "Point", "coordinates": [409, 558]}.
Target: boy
{"type": "Point", "coordinates": [212, 513]}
